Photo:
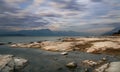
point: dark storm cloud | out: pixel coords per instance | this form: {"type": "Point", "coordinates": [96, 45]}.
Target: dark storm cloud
{"type": "Point", "coordinates": [60, 1]}
{"type": "Point", "coordinates": [72, 5]}
{"type": "Point", "coordinates": [96, 0]}
{"type": "Point", "coordinates": [10, 15]}
{"type": "Point", "coordinates": [10, 18]}
{"type": "Point", "coordinates": [5, 8]}
{"type": "Point", "coordinates": [52, 15]}
{"type": "Point", "coordinates": [27, 22]}
{"type": "Point", "coordinates": [58, 14]}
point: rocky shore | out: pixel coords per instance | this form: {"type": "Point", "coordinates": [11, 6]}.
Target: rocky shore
{"type": "Point", "coordinates": [9, 63]}
{"type": "Point", "coordinates": [96, 45]}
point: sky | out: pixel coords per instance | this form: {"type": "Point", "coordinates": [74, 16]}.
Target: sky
{"type": "Point", "coordinates": [93, 16]}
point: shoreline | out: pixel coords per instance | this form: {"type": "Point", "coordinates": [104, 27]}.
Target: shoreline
{"type": "Point", "coordinates": [44, 59]}
{"type": "Point", "coordinates": [96, 45]}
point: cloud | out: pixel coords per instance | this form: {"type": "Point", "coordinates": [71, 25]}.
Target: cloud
{"type": "Point", "coordinates": [76, 15]}
{"type": "Point", "coordinates": [96, 0]}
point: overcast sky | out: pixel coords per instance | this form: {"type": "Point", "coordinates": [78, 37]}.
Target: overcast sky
{"type": "Point", "coordinates": [95, 16]}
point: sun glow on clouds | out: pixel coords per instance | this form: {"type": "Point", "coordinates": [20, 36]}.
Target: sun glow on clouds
{"type": "Point", "coordinates": [59, 14]}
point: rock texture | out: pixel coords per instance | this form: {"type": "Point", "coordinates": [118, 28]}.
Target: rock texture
{"type": "Point", "coordinates": [109, 67]}
{"type": "Point", "coordinates": [71, 65]}
{"type": "Point", "coordinates": [9, 63]}
{"type": "Point", "coordinates": [90, 62]}
{"type": "Point", "coordinates": [108, 44]}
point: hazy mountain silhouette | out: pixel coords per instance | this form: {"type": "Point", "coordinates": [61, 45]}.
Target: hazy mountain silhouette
{"type": "Point", "coordinates": [44, 32]}
{"type": "Point", "coordinates": [112, 31]}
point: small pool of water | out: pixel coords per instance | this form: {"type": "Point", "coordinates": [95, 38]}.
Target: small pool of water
{"type": "Point", "coordinates": [46, 61]}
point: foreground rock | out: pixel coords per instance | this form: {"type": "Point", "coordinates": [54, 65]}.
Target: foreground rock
{"type": "Point", "coordinates": [86, 44]}
{"type": "Point", "coordinates": [9, 63]}
{"type": "Point", "coordinates": [90, 62]}
{"type": "Point", "coordinates": [113, 67]}
{"type": "Point", "coordinates": [71, 65]}
{"type": "Point", "coordinates": [93, 63]}
{"type": "Point", "coordinates": [99, 47]}
{"type": "Point", "coordinates": [109, 67]}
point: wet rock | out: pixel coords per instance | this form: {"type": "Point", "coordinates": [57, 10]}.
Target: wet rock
{"type": "Point", "coordinates": [2, 43]}
{"type": "Point", "coordinates": [9, 63]}
{"type": "Point", "coordinates": [20, 63]}
{"type": "Point", "coordinates": [104, 59]}
{"type": "Point", "coordinates": [9, 42]}
{"type": "Point", "coordinates": [71, 65]}
{"type": "Point", "coordinates": [109, 67]}
{"type": "Point", "coordinates": [90, 62]}
{"type": "Point", "coordinates": [64, 53]}
{"type": "Point", "coordinates": [102, 68]}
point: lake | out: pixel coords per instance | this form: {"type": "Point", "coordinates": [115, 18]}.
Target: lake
{"type": "Point", "coordinates": [46, 61]}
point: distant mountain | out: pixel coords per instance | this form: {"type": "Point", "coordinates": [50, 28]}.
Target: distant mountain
{"type": "Point", "coordinates": [113, 31]}
{"type": "Point", "coordinates": [116, 33]}
{"type": "Point", "coordinates": [44, 32]}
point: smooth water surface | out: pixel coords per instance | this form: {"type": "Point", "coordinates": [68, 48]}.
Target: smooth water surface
{"type": "Point", "coordinates": [26, 38]}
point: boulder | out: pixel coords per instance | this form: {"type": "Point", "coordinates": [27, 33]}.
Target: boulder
{"type": "Point", "coordinates": [9, 63]}
{"type": "Point", "coordinates": [6, 63]}
{"type": "Point", "coordinates": [71, 65]}
{"type": "Point", "coordinates": [20, 63]}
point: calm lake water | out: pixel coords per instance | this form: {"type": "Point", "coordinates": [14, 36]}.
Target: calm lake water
{"type": "Point", "coordinates": [26, 38]}
{"type": "Point", "coordinates": [45, 61]}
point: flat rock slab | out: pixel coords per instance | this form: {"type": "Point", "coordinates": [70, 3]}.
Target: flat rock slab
{"type": "Point", "coordinates": [109, 67]}
{"type": "Point", "coordinates": [114, 67]}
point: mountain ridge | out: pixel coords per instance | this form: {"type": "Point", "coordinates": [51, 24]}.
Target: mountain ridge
{"type": "Point", "coordinates": [44, 32]}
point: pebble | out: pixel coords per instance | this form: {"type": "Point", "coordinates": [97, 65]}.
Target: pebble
{"type": "Point", "coordinates": [64, 53]}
